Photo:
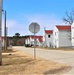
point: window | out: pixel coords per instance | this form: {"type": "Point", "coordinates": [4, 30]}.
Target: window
{"type": "Point", "coordinates": [48, 36]}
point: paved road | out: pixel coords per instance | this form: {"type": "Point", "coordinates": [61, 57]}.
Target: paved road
{"type": "Point", "coordinates": [60, 56]}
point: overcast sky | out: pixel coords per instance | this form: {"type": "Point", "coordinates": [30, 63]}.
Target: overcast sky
{"type": "Point", "coordinates": [47, 13]}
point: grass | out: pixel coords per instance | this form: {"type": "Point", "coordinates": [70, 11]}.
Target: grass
{"type": "Point", "coordinates": [23, 63]}
{"type": "Point", "coordinates": [8, 50]}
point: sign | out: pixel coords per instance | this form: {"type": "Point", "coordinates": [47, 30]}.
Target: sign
{"type": "Point", "coordinates": [34, 27]}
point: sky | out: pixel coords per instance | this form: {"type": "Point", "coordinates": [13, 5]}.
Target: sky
{"type": "Point", "coordinates": [21, 13]}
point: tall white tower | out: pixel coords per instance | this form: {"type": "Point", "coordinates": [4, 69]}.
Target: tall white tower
{"type": "Point", "coordinates": [72, 34]}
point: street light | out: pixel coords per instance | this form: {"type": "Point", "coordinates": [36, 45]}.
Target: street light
{"type": "Point", "coordinates": [5, 38]}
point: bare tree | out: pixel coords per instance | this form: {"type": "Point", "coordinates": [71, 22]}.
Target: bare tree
{"type": "Point", "coordinates": [69, 17]}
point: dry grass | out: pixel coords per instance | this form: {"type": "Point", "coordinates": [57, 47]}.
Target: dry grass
{"type": "Point", "coordinates": [22, 63]}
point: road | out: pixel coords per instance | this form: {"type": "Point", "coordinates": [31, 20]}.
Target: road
{"type": "Point", "coordinates": [60, 56]}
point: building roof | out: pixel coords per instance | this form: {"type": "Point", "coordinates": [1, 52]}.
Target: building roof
{"type": "Point", "coordinates": [33, 37]}
{"type": "Point", "coordinates": [49, 31]}
{"type": "Point", "coordinates": [40, 38]}
{"type": "Point", "coordinates": [36, 37]}
{"type": "Point", "coordinates": [64, 27]}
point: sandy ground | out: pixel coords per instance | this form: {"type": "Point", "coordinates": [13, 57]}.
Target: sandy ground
{"type": "Point", "coordinates": [21, 63]}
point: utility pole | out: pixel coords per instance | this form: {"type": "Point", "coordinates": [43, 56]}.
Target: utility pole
{"type": "Point", "coordinates": [0, 32]}
{"type": "Point", "coordinates": [6, 37]}
{"type": "Point", "coordinates": [5, 46]}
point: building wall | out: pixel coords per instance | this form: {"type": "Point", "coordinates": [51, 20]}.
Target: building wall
{"type": "Point", "coordinates": [28, 41]}
{"type": "Point", "coordinates": [55, 38]}
{"type": "Point", "coordinates": [44, 40]}
{"type": "Point", "coordinates": [16, 41]}
{"type": "Point", "coordinates": [72, 34]}
{"type": "Point", "coordinates": [49, 40]}
{"type": "Point", "coordinates": [40, 44]}
{"type": "Point", "coordinates": [37, 42]}
{"type": "Point", "coordinates": [25, 41]}
{"type": "Point", "coordinates": [65, 38]}
{"type": "Point", "coordinates": [31, 41]}
{"type": "Point", "coordinates": [61, 38]}
{"type": "Point", "coordinates": [44, 36]}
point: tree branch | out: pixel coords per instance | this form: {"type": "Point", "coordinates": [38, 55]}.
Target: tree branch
{"type": "Point", "coordinates": [69, 17]}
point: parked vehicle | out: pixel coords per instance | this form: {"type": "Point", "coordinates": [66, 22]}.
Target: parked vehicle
{"type": "Point", "coordinates": [27, 45]}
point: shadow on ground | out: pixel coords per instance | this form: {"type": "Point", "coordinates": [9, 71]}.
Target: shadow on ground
{"type": "Point", "coordinates": [58, 71]}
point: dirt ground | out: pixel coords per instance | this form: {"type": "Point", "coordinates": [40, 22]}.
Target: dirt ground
{"type": "Point", "coordinates": [21, 63]}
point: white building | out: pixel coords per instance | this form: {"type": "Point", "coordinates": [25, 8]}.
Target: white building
{"type": "Point", "coordinates": [38, 40]}
{"type": "Point", "coordinates": [48, 38]}
{"type": "Point", "coordinates": [62, 36]}
{"type": "Point", "coordinates": [32, 40]}
{"type": "Point", "coordinates": [27, 40]}
{"type": "Point", "coordinates": [72, 34]}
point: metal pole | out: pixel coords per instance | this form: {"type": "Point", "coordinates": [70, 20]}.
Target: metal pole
{"type": "Point", "coordinates": [6, 37]}
{"type": "Point", "coordinates": [0, 32]}
{"type": "Point", "coordinates": [5, 32]}
{"type": "Point", "coordinates": [34, 45]}
{"type": "Point", "coordinates": [45, 37]}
